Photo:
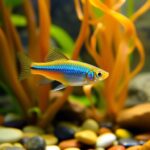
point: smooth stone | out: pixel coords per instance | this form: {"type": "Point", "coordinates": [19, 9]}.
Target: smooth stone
{"type": "Point", "coordinates": [14, 120]}
{"type": "Point", "coordinates": [105, 140]}
{"type": "Point", "coordinates": [18, 145]}
{"type": "Point", "coordinates": [72, 148]}
{"type": "Point", "coordinates": [52, 147]}
{"type": "Point", "coordinates": [133, 118]}
{"type": "Point", "coordinates": [33, 129]}
{"type": "Point", "coordinates": [65, 131]}
{"type": "Point", "coordinates": [90, 124]}
{"type": "Point", "coordinates": [142, 137]}
{"type": "Point", "coordinates": [86, 136]}
{"type": "Point", "coordinates": [100, 148]}
{"type": "Point", "coordinates": [29, 134]}
{"type": "Point", "coordinates": [117, 147]}
{"type": "Point", "coordinates": [138, 147]}
{"type": "Point", "coordinates": [10, 135]}
{"type": "Point", "coordinates": [35, 143]}
{"type": "Point", "coordinates": [5, 146]}
{"type": "Point", "coordinates": [104, 130]}
{"type": "Point", "coordinates": [128, 142]}
{"type": "Point", "coordinates": [69, 143]}
{"type": "Point", "coordinates": [146, 146]}
{"type": "Point", "coordinates": [14, 148]}
{"type": "Point", "coordinates": [122, 133]}
{"type": "Point", "coordinates": [50, 139]}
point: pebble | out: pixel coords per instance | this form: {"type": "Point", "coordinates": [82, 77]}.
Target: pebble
{"type": "Point", "coordinates": [86, 136]}
{"type": "Point", "coordinates": [90, 124]}
{"type": "Point", "coordinates": [52, 147]}
{"type": "Point", "coordinates": [104, 130]}
{"type": "Point", "coordinates": [117, 147]}
{"type": "Point", "coordinates": [69, 143]}
{"type": "Point", "coordinates": [122, 133]}
{"type": "Point", "coordinates": [65, 131]}
{"type": "Point", "coordinates": [14, 120]}
{"type": "Point", "coordinates": [128, 142]}
{"type": "Point", "coordinates": [33, 129]}
{"type": "Point", "coordinates": [72, 148]}
{"type": "Point", "coordinates": [142, 137]}
{"type": "Point", "coordinates": [35, 143]}
{"type": "Point", "coordinates": [138, 147]}
{"type": "Point", "coordinates": [10, 135]}
{"type": "Point", "coordinates": [5, 146]}
{"type": "Point", "coordinates": [105, 140]}
{"type": "Point", "coordinates": [50, 139]}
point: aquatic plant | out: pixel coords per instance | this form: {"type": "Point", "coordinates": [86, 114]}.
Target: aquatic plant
{"type": "Point", "coordinates": [110, 38]}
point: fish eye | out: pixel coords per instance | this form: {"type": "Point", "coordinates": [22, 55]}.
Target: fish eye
{"type": "Point", "coordinates": [99, 74]}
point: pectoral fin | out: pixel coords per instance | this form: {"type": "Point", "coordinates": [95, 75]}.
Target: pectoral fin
{"type": "Point", "coordinates": [59, 87]}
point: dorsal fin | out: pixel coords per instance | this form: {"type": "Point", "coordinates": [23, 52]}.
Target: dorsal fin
{"type": "Point", "coordinates": [55, 55]}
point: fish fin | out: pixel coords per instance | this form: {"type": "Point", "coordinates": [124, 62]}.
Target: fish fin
{"type": "Point", "coordinates": [59, 87]}
{"type": "Point", "coordinates": [25, 63]}
{"type": "Point", "coordinates": [55, 55]}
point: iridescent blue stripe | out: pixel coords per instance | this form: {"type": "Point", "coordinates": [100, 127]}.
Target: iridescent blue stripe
{"type": "Point", "coordinates": [64, 68]}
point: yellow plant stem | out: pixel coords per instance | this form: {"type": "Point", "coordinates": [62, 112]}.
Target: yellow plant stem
{"type": "Point", "coordinates": [11, 74]}
{"type": "Point", "coordinates": [44, 38]}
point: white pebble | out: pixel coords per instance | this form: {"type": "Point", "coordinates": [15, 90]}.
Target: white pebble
{"type": "Point", "coordinates": [52, 147]}
{"type": "Point", "coordinates": [105, 140]}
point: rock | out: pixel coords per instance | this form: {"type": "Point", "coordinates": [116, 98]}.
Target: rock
{"type": "Point", "coordinates": [65, 131]}
{"type": "Point", "coordinates": [90, 124]}
{"type": "Point", "coordinates": [117, 147]}
{"type": "Point", "coordinates": [86, 136]}
{"type": "Point", "coordinates": [14, 120]}
{"type": "Point", "coordinates": [72, 148]}
{"type": "Point", "coordinates": [138, 147]}
{"type": "Point", "coordinates": [35, 143]}
{"type": "Point", "coordinates": [138, 94]}
{"type": "Point", "coordinates": [52, 147]}
{"type": "Point", "coordinates": [122, 133]}
{"type": "Point", "coordinates": [50, 139]}
{"type": "Point", "coordinates": [104, 130]}
{"type": "Point", "coordinates": [105, 140]}
{"type": "Point", "coordinates": [33, 129]}
{"type": "Point", "coordinates": [18, 145]}
{"type": "Point", "coordinates": [142, 137]}
{"type": "Point", "coordinates": [133, 118]}
{"type": "Point", "coordinates": [5, 146]}
{"type": "Point", "coordinates": [128, 142]}
{"type": "Point", "coordinates": [69, 143]}
{"type": "Point", "coordinates": [10, 135]}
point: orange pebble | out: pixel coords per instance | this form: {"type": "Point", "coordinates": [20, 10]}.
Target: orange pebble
{"type": "Point", "coordinates": [104, 130]}
{"type": "Point", "coordinates": [69, 143]}
{"type": "Point", "coordinates": [117, 147]}
{"type": "Point", "coordinates": [146, 146]}
{"type": "Point", "coordinates": [138, 147]}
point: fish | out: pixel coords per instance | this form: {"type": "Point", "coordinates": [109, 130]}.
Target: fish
{"type": "Point", "coordinates": [58, 67]}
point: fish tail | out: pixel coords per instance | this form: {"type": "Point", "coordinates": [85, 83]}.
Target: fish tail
{"type": "Point", "coordinates": [25, 63]}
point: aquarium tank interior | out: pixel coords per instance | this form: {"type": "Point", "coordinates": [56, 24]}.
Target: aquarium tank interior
{"type": "Point", "coordinates": [74, 75]}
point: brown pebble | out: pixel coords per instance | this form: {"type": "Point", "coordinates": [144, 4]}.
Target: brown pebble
{"type": "Point", "coordinates": [138, 147]}
{"type": "Point", "coordinates": [117, 147]}
{"type": "Point", "coordinates": [104, 130]}
{"type": "Point", "coordinates": [143, 137]}
{"type": "Point", "coordinates": [69, 143]}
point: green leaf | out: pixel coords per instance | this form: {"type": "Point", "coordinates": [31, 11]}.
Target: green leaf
{"type": "Point", "coordinates": [82, 99]}
{"type": "Point", "coordinates": [62, 38]}
{"type": "Point", "coordinates": [18, 20]}
{"type": "Point", "coordinates": [13, 3]}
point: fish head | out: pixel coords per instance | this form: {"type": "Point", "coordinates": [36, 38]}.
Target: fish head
{"type": "Point", "coordinates": [100, 74]}
{"type": "Point", "coordinates": [96, 74]}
